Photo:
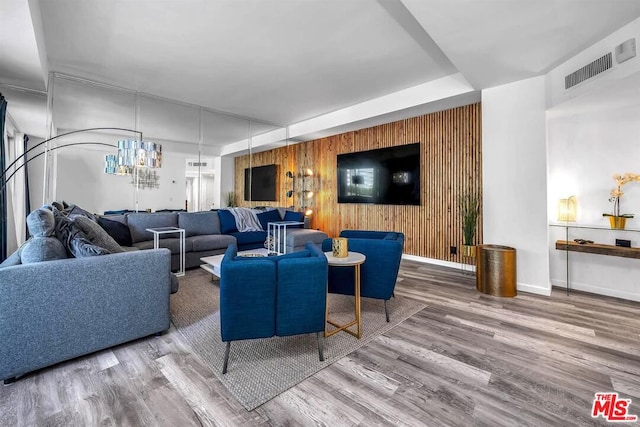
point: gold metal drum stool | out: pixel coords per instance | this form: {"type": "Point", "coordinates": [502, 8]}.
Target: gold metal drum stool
{"type": "Point", "coordinates": [496, 270]}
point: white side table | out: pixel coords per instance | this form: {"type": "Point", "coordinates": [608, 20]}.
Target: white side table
{"type": "Point", "coordinates": [278, 232]}
{"type": "Point", "coordinates": [166, 230]}
{"type": "Point", "coordinates": [355, 260]}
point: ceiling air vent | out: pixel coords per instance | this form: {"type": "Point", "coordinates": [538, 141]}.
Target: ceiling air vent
{"type": "Point", "coordinates": [590, 70]}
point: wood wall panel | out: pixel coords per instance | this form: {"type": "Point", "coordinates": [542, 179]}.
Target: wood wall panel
{"type": "Point", "coordinates": [451, 162]}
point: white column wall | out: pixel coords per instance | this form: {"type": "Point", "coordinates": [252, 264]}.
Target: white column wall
{"type": "Point", "coordinates": [225, 179]}
{"type": "Point", "coordinates": [514, 174]}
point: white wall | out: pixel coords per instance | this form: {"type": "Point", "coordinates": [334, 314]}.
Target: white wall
{"type": "Point", "coordinates": [514, 173]}
{"type": "Point", "coordinates": [81, 180]}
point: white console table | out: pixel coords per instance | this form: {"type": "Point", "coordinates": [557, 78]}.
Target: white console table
{"type": "Point", "coordinates": [166, 230]}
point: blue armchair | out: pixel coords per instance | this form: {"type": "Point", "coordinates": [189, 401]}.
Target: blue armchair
{"type": "Point", "coordinates": [267, 296]}
{"type": "Point", "coordinates": [379, 272]}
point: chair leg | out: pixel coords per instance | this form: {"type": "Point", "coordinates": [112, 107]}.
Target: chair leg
{"type": "Point", "coordinates": [226, 357]}
{"type": "Point", "coordinates": [386, 312]}
{"type": "Point", "coordinates": [320, 345]}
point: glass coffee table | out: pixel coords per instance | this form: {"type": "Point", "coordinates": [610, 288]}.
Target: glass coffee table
{"type": "Point", "coordinates": [212, 263]}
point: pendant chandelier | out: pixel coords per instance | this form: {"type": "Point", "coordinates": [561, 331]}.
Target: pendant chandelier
{"type": "Point", "coordinates": [133, 154]}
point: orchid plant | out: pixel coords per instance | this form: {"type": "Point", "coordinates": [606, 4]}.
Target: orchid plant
{"type": "Point", "coordinates": [616, 193]}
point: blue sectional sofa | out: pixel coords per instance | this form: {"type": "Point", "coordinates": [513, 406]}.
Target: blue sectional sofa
{"type": "Point", "coordinates": [207, 233]}
{"type": "Point", "coordinates": [281, 295]}
{"type": "Point", "coordinates": [379, 272]}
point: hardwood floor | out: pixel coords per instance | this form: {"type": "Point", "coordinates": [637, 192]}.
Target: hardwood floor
{"type": "Point", "coordinates": [466, 359]}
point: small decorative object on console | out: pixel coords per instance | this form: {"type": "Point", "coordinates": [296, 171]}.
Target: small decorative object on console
{"type": "Point", "coordinates": [617, 220]}
{"type": "Point", "coordinates": [340, 247]}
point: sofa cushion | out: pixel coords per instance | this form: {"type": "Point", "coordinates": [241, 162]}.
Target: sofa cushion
{"type": "Point", "coordinates": [122, 219]}
{"type": "Point", "coordinates": [117, 230]}
{"type": "Point", "coordinates": [227, 222]}
{"type": "Point", "coordinates": [294, 216]}
{"type": "Point", "coordinates": [43, 244]}
{"type": "Point", "coordinates": [199, 223]}
{"type": "Point", "coordinates": [139, 222]}
{"type": "Point", "coordinates": [268, 216]}
{"type": "Point", "coordinates": [38, 249]}
{"type": "Point", "coordinates": [211, 241]}
{"type": "Point", "coordinates": [300, 237]}
{"type": "Point", "coordinates": [249, 237]}
{"type": "Point", "coordinates": [41, 222]}
{"type": "Point", "coordinates": [97, 235]}
{"type": "Point", "coordinates": [172, 243]}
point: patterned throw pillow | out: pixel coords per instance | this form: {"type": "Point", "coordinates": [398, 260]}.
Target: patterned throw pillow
{"type": "Point", "coordinates": [97, 235]}
{"type": "Point", "coordinates": [73, 238]}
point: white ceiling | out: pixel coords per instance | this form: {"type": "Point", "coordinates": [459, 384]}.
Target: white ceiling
{"type": "Point", "coordinates": [286, 61]}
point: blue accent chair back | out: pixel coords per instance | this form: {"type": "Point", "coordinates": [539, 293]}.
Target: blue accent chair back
{"type": "Point", "coordinates": [265, 296]}
{"type": "Point", "coordinates": [379, 272]}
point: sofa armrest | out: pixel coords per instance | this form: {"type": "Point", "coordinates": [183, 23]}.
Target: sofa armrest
{"type": "Point", "coordinates": [57, 310]}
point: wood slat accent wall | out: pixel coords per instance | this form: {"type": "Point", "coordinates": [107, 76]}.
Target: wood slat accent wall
{"type": "Point", "coordinates": [451, 162]}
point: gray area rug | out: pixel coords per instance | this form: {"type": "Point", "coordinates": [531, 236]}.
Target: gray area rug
{"type": "Point", "coordinates": [261, 369]}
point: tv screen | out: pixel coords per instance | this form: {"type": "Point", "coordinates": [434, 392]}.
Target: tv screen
{"type": "Point", "coordinates": [386, 176]}
{"type": "Point", "coordinates": [260, 183]}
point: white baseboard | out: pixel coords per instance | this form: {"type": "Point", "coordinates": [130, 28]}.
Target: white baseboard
{"type": "Point", "coordinates": [522, 287]}
{"type": "Point", "coordinates": [533, 289]}
{"type": "Point", "coordinates": [633, 296]}
{"type": "Point", "coordinates": [457, 265]}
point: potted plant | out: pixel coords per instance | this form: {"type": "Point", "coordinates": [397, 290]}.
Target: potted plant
{"type": "Point", "coordinates": [231, 199]}
{"type": "Point", "coordinates": [616, 219]}
{"type": "Point", "coordinates": [469, 209]}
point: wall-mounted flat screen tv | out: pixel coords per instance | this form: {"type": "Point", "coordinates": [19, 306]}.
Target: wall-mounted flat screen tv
{"type": "Point", "coordinates": [260, 183]}
{"type": "Point", "coordinates": [386, 176]}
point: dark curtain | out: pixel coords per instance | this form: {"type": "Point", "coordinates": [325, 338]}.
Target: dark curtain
{"type": "Point", "coordinates": [27, 200]}
{"type": "Point", "coordinates": [3, 193]}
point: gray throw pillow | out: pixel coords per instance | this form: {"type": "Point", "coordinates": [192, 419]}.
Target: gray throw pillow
{"type": "Point", "coordinates": [96, 234]}
{"type": "Point", "coordinates": [38, 249]}
{"type": "Point", "coordinates": [77, 210]}
{"type": "Point", "coordinates": [74, 239]}
{"type": "Point", "coordinates": [41, 222]}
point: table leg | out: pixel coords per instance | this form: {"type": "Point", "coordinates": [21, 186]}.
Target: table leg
{"type": "Point", "coordinates": [284, 244]}
{"type": "Point", "coordinates": [182, 256]}
{"type": "Point", "coordinates": [357, 297]}
{"type": "Point", "coordinates": [356, 321]}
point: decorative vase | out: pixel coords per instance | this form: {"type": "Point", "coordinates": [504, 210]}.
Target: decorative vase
{"type": "Point", "coordinates": [617, 222]}
{"type": "Point", "coordinates": [339, 246]}
{"type": "Point", "coordinates": [468, 250]}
